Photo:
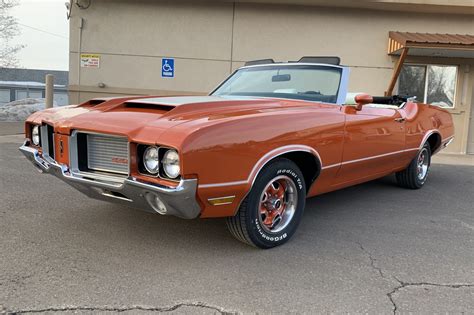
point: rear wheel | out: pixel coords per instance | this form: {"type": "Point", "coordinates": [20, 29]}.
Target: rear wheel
{"type": "Point", "coordinates": [415, 175]}
{"type": "Point", "coordinates": [272, 210]}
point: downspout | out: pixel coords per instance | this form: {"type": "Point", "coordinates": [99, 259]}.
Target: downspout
{"type": "Point", "coordinates": [469, 114]}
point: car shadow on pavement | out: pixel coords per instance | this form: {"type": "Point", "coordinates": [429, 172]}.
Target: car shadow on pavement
{"type": "Point", "coordinates": [211, 234]}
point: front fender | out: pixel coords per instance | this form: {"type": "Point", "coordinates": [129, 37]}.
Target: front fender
{"type": "Point", "coordinates": [226, 158]}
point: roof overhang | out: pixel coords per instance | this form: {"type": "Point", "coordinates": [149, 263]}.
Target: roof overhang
{"type": "Point", "coordinates": [431, 45]}
{"type": "Point", "coordinates": [424, 44]}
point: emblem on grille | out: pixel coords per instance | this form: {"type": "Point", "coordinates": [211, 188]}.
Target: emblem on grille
{"type": "Point", "coordinates": [117, 160]}
{"type": "Point", "coordinates": [61, 147]}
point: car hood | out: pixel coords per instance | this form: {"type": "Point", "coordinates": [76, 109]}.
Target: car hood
{"type": "Point", "coordinates": [145, 118]}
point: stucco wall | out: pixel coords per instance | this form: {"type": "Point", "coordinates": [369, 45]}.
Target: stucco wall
{"type": "Point", "coordinates": [209, 40]}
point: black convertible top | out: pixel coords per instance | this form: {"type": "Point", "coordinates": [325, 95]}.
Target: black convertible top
{"type": "Point", "coordinates": [331, 60]}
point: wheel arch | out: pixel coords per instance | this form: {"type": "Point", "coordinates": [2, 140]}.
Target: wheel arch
{"type": "Point", "coordinates": [309, 165]}
{"type": "Point", "coordinates": [433, 138]}
{"type": "Point", "coordinates": [434, 141]}
{"type": "Point", "coordinates": [306, 158]}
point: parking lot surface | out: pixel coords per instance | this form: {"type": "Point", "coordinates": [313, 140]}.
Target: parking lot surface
{"type": "Point", "coordinates": [372, 248]}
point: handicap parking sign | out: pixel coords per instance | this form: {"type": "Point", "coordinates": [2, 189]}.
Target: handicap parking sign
{"type": "Point", "coordinates": [167, 68]}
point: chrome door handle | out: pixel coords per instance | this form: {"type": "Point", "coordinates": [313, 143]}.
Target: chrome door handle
{"type": "Point", "coordinates": [400, 120]}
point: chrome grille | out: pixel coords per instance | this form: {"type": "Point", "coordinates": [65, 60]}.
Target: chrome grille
{"type": "Point", "coordinates": [107, 153]}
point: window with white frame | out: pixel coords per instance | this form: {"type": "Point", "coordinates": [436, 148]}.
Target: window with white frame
{"type": "Point", "coordinates": [432, 84]}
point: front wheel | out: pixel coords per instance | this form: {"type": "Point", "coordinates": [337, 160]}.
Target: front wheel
{"type": "Point", "coordinates": [415, 175]}
{"type": "Point", "coordinates": [272, 210]}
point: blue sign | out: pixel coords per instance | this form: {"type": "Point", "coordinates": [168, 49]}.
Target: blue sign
{"type": "Point", "coordinates": [167, 68]}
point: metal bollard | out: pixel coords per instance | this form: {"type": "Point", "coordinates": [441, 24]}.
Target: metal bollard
{"type": "Point", "coordinates": [49, 79]}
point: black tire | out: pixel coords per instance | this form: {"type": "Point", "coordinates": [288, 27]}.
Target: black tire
{"type": "Point", "coordinates": [247, 225]}
{"type": "Point", "coordinates": [411, 177]}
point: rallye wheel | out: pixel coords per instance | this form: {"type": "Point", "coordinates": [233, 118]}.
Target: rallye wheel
{"type": "Point", "coordinates": [272, 210]}
{"type": "Point", "coordinates": [415, 175]}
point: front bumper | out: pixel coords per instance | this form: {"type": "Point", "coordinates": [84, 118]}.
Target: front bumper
{"type": "Point", "coordinates": [179, 201]}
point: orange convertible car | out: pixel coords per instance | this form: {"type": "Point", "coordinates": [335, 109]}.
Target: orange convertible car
{"type": "Point", "coordinates": [263, 141]}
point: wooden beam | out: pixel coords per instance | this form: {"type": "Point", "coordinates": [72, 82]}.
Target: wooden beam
{"type": "Point", "coordinates": [396, 71]}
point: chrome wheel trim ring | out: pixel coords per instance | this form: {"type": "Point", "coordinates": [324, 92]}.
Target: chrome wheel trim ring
{"type": "Point", "coordinates": [422, 164]}
{"type": "Point", "coordinates": [289, 202]}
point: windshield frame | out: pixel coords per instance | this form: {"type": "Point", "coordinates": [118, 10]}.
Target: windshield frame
{"type": "Point", "coordinates": [342, 89]}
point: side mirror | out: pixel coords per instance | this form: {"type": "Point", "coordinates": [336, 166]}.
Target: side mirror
{"type": "Point", "coordinates": [358, 100]}
{"type": "Point", "coordinates": [363, 99]}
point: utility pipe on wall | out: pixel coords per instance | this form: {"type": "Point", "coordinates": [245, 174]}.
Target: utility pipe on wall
{"type": "Point", "coordinates": [49, 80]}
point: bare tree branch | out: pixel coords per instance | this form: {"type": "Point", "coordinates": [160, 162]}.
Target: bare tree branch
{"type": "Point", "coordinates": [8, 30]}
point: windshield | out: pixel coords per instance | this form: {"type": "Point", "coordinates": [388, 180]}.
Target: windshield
{"type": "Point", "coordinates": [305, 82]}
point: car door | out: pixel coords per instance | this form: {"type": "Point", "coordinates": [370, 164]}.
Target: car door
{"type": "Point", "coordinates": [374, 143]}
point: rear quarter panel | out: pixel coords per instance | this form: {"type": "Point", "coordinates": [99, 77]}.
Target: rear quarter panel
{"type": "Point", "coordinates": [422, 120]}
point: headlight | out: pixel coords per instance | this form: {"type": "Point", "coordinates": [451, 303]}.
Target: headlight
{"type": "Point", "coordinates": [35, 135]}
{"type": "Point", "coordinates": [171, 163]}
{"type": "Point", "coordinates": [150, 160]}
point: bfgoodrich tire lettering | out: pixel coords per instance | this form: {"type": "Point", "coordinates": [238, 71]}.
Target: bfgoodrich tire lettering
{"type": "Point", "coordinates": [272, 210]}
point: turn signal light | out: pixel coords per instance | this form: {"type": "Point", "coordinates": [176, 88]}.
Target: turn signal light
{"type": "Point", "coordinates": [221, 200]}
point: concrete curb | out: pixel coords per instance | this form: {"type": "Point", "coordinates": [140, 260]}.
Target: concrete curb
{"type": "Point", "coordinates": [453, 159]}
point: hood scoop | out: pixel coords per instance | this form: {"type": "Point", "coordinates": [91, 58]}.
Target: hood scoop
{"type": "Point", "coordinates": [152, 106]}
{"type": "Point", "coordinates": [93, 102]}
{"type": "Point", "coordinates": [167, 103]}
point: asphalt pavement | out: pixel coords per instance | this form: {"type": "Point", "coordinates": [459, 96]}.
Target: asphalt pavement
{"type": "Point", "coordinates": [373, 248]}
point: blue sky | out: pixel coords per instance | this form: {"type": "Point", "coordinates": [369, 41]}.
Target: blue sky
{"type": "Point", "coordinates": [45, 32]}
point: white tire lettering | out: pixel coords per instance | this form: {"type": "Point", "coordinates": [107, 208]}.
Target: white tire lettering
{"type": "Point", "coordinates": [293, 174]}
{"type": "Point", "coordinates": [269, 238]}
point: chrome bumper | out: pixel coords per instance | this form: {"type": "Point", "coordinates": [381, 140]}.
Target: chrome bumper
{"type": "Point", "coordinates": [179, 201]}
{"type": "Point", "coordinates": [444, 144]}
